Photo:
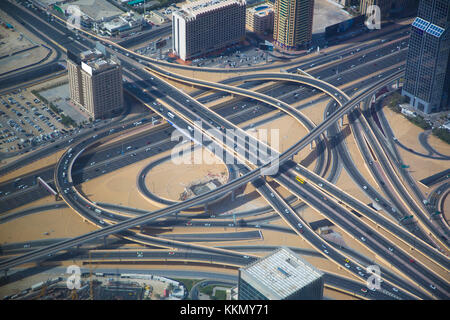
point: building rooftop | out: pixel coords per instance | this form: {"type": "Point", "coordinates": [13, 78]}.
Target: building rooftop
{"type": "Point", "coordinates": [122, 22]}
{"type": "Point", "coordinates": [96, 10]}
{"type": "Point", "coordinates": [261, 10]}
{"type": "Point", "coordinates": [195, 8]}
{"type": "Point", "coordinates": [282, 273]}
{"type": "Point", "coordinates": [93, 61]}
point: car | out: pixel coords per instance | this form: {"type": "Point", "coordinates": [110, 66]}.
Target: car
{"type": "Point", "coordinates": [411, 261]}
{"type": "Point", "coordinates": [271, 194]}
{"type": "Point", "coordinates": [189, 223]}
{"type": "Point", "coordinates": [361, 274]}
{"type": "Point", "coordinates": [207, 224]}
{"type": "Point", "coordinates": [26, 245]}
{"type": "Point", "coordinates": [300, 225]}
{"type": "Point", "coordinates": [140, 254]}
{"type": "Point", "coordinates": [363, 239]}
{"type": "Point", "coordinates": [365, 187]}
{"type": "Point", "coordinates": [92, 163]}
{"type": "Point", "coordinates": [286, 210]}
{"type": "Point", "coordinates": [373, 289]}
{"type": "Point", "coordinates": [394, 289]}
{"type": "Point", "coordinates": [432, 287]}
{"type": "Point", "coordinates": [358, 268]}
{"type": "Point", "coordinates": [391, 250]}
{"type": "Point", "coordinates": [102, 222]}
{"type": "Point", "coordinates": [326, 251]}
{"type": "Point", "coordinates": [364, 290]}
{"type": "Point", "coordinates": [171, 253]}
{"type": "Point", "coordinates": [246, 257]}
{"type": "Point", "coordinates": [347, 266]}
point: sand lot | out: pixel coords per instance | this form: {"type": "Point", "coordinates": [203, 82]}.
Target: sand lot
{"type": "Point", "coordinates": [407, 133]}
{"type": "Point", "coordinates": [59, 223]}
{"type": "Point", "coordinates": [170, 178]}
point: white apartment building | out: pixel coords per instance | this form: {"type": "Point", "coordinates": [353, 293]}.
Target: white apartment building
{"type": "Point", "coordinates": [207, 25]}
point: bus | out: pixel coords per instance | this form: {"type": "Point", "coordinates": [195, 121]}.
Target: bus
{"type": "Point", "coordinates": [300, 180]}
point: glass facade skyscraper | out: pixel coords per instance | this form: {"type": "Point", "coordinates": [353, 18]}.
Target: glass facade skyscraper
{"type": "Point", "coordinates": [427, 74]}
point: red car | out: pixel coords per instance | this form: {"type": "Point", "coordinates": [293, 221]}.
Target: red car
{"type": "Point", "coordinates": [171, 253]}
{"type": "Point", "coordinates": [364, 290]}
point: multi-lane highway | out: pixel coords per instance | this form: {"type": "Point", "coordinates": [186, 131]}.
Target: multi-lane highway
{"type": "Point", "coordinates": [188, 110]}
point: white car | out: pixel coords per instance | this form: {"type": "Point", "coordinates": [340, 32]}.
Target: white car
{"type": "Point", "coordinates": [326, 251]}
{"type": "Point", "coordinates": [363, 239]}
{"type": "Point", "coordinates": [347, 266]}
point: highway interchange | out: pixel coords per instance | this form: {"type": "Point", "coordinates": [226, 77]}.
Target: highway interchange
{"type": "Point", "coordinates": [317, 192]}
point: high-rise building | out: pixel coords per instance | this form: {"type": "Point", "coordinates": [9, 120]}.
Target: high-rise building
{"type": "Point", "coordinates": [293, 23]}
{"type": "Point", "coordinates": [427, 74]}
{"type": "Point", "coordinates": [259, 19]}
{"type": "Point", "coordinates": [282, 275]}
{"type": "Point", "coordinates": [384, 5]}
{"type": "Point", "coordinates": [207, 25]}
{"type": "Point", "coordinates": [95, 83]}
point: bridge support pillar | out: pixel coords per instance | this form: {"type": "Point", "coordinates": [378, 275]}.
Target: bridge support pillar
{"type": "Point", "coordinates": [233, 196]}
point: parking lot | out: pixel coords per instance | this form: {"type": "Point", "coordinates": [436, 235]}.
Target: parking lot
{"type": "Point", "coordinates": [25, 121]}
{"type": "Point", "coordinates": [60, 97]}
